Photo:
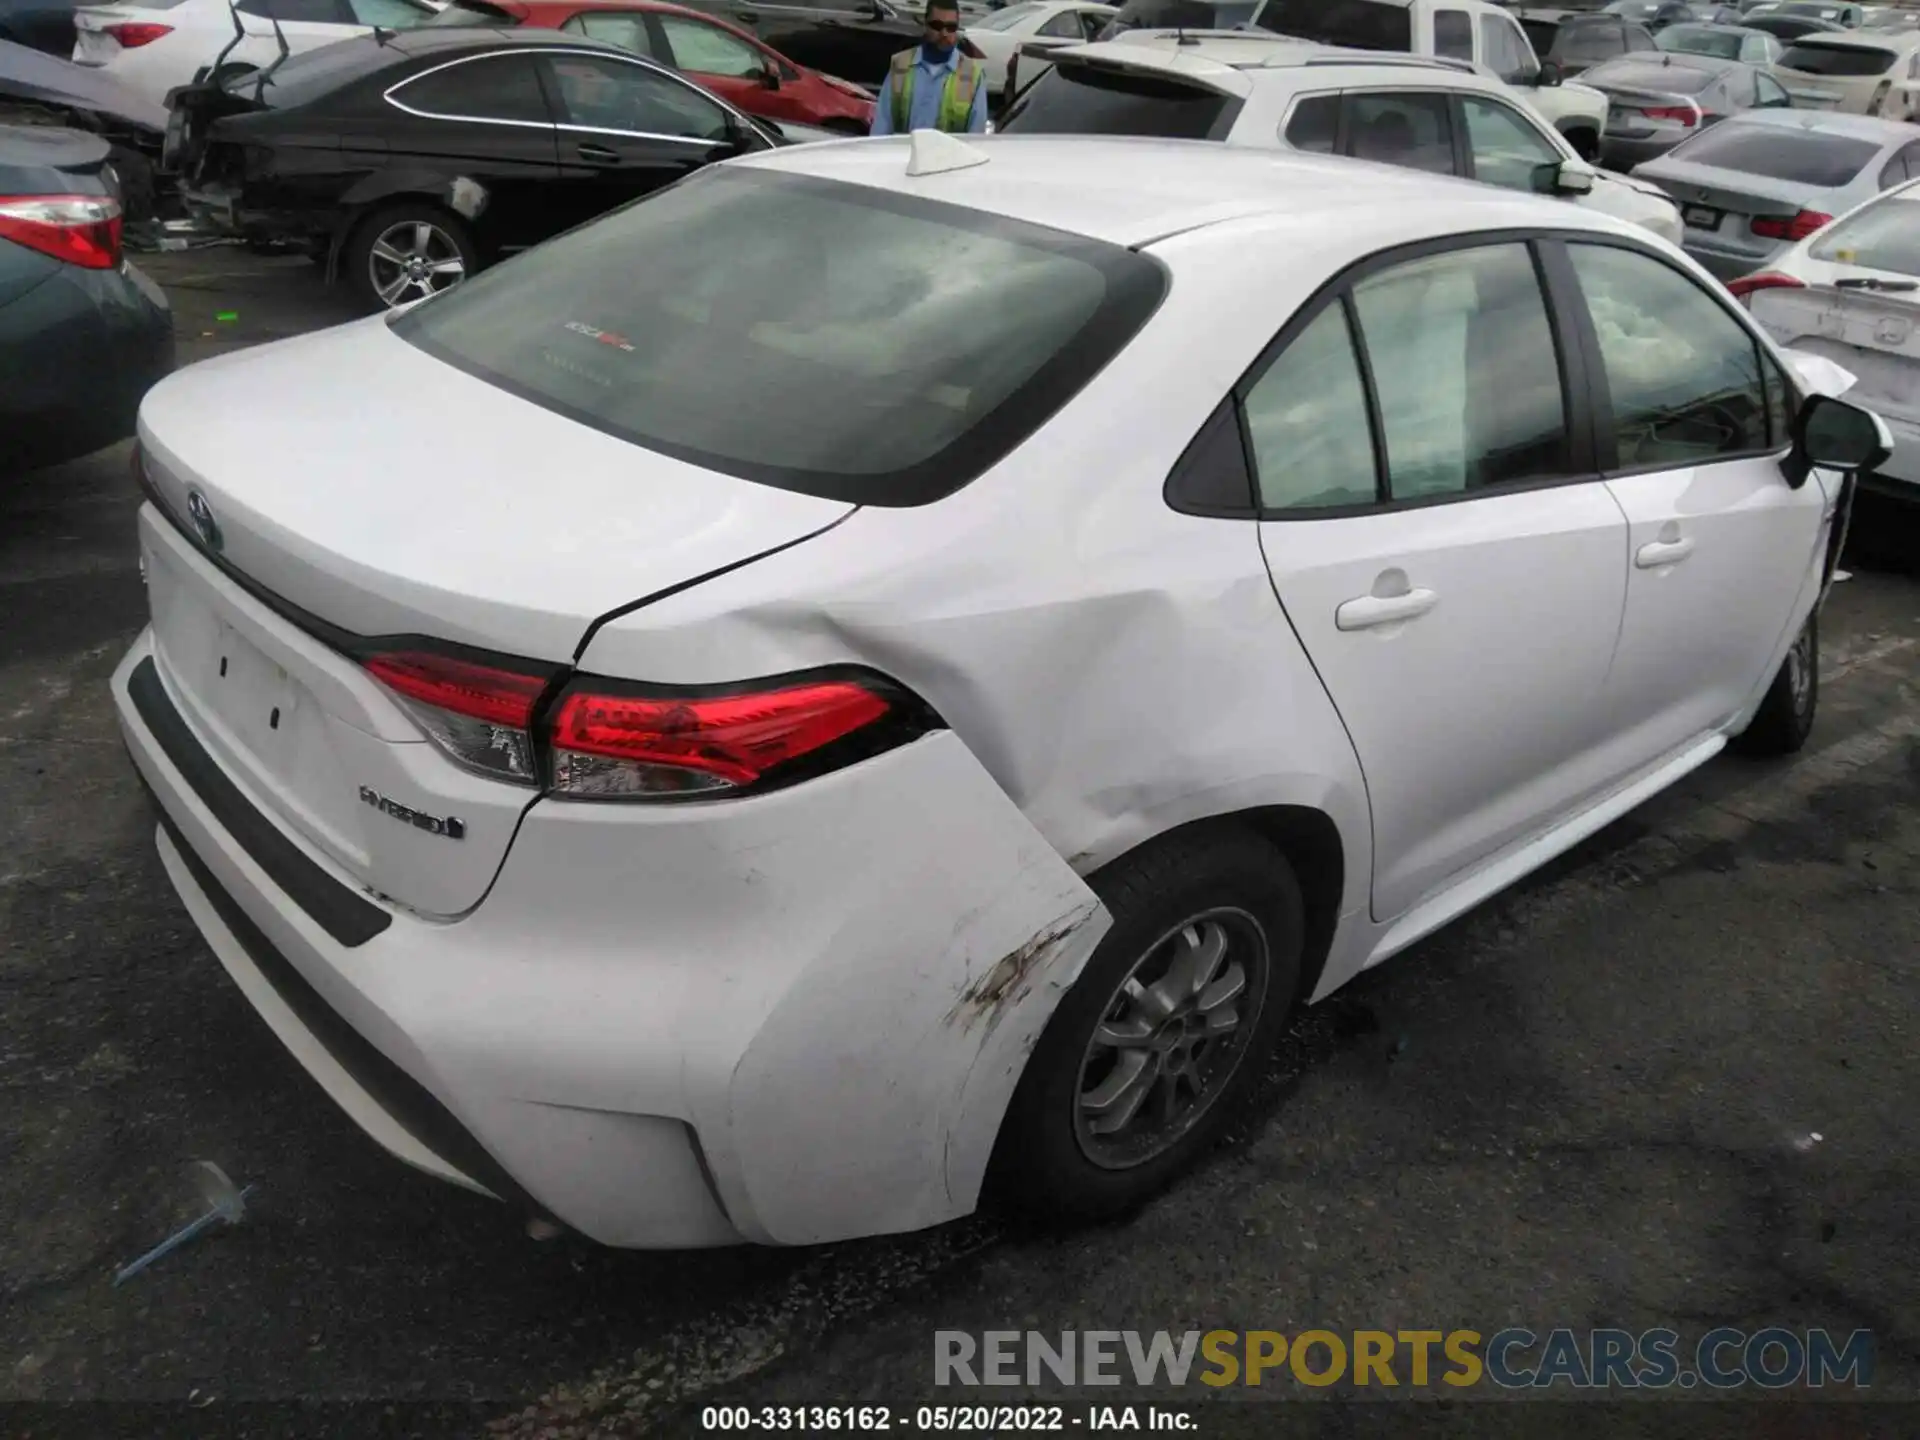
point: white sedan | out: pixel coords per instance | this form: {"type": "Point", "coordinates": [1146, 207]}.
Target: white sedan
{"type": "Point", "coordinates": [701, 821]}
{"type": "Point", "coordinates": [1001, 33]}
{"type": "Point", "coordinates": [159, 44]}
{"type": "Point", "coordinates": [1851, 292]}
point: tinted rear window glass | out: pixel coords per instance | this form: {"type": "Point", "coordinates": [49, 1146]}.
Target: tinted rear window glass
{"type": "Point", "coordinates": [1362, 24]}
{"type": "Point", "coordinates": [1813, 58]}
{"type": "Point", "coordinates": [833, 339]}
{"type": "Point", "coordinates": [1699, 40]}
{"type": "Point", "coordinates": [1827, 161]}
{"type": "Point", "coordinates": [1884, 236]}
{"type": "Point", "coordinates": [1175, 14]}
{"type": "Point", "coordinates": [1588, 42]}
{"type": "Point", "coordinates": [1541, 33]}
{"type": "Point", "coordinates": [1080, 100]}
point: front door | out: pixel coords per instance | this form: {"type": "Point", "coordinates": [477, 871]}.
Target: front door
{"type": "Point", "coordinates": [625, 130]}
{"type": "Point", "coordinates": [1446, 554]}
{"type": "Point", "coordinates": [1718, 542]}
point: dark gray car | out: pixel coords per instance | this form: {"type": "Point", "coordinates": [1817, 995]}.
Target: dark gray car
{"type": "Point", "coordinates": [1657, 101]}
{"type": "Point", "coordinates": [82, 333]}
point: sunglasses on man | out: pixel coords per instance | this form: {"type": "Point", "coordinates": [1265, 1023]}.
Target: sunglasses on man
{"type": "Point", "coordinates": [944, 27]}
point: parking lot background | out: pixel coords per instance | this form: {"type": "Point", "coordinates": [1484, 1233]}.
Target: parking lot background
{"type": "Point", "coordinates": [1594, 1101]}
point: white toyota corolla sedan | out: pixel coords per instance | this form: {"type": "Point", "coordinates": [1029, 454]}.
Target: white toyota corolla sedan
{"type": "Point", "coordinates": [883, 674]}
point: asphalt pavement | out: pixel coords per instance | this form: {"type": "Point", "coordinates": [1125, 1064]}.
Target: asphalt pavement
{"type": "Point", "coordinates": [1674, 1080]}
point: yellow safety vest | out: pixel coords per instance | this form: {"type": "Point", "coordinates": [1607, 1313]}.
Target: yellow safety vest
{"type": "Point", "coordinates": [956, 95]}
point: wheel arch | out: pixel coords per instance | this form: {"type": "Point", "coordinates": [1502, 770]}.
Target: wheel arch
{"type": "Point", "coordinates": [462, 198]}
{"type": "Point", "coordinates": [1310, 839]}
{"type": "Point", "coordinates": [1581, 133]}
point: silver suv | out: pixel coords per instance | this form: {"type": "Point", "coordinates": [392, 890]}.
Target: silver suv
{"type": "Point", "coordinates": [1270, 92]}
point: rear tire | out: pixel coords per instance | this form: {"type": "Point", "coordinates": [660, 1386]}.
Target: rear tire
{"type": "Point", "coordinates": [406, 251]}
{"type": "Point", "coordinates": [1125, 1091]}
{"type": "Point", "coordinates": [1785, 717]}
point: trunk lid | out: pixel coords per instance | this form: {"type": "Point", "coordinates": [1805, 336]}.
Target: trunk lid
{"type": "Point", "coordinates": [1725, 203]}
{"type": "Point", "coordinates": [1876, 335]}
{"type": "Point", "coordinates": [368, 488]}
{"type": "Point", "coordinates": [92, 44]}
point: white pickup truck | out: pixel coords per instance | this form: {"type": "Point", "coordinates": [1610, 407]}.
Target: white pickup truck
{"type": "Point", "coordinates": [1484, 35]}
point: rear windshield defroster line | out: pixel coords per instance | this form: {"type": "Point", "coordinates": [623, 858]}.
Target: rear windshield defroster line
{"type": "Point", "coordinates": [817, 336]}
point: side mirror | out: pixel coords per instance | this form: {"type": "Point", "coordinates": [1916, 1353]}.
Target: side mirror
{"type": "Point", "coordinates": [1569, 177]}
{"type": "Point", "coordinates": [1833, 435]}
{"type": "Point", "coordinates": [1549, 75]}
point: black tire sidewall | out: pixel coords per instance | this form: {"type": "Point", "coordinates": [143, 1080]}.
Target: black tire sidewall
{"type": "Point", "coordinates": [1038, 1164]}
{"type": "Point", "coordinates": [359, 246]}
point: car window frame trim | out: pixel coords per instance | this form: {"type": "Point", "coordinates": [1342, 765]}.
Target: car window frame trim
{"type": "Point", "coordinates": [1606, 438]}
{"type": "Point", "coordinates": [1574, 362]}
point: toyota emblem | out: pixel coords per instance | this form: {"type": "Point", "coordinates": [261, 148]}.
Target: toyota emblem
{"type": "Point", "coordinates": [201, 514]}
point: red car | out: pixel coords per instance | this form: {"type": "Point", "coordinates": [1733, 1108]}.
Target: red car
{"type": "Point", "coordinates": [729, 62]}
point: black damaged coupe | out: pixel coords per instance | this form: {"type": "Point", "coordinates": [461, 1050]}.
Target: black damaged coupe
{"type": "Point", "coordinates": [407, 161]}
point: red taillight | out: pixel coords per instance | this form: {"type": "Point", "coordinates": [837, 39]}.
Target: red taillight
{"type": "Point", "coordinates": [1688, 115]}
{"type": "Point", "coordinates": [81, 230]}
{"type": "Point", "coordinates": [135, 33]}
{"type": "Point", "coordinates": [607, 744]}
{"type": "Point", "coordinates": [1770, 227]}
{"type": "Point", "coordinates": [612, 740]}
{"type": "Point", "coordinates": [1765, 280]}
{"type": "Point", "coordinates": [480, 715]}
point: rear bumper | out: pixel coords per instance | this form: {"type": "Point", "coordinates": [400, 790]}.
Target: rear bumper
{"type": "Point", "coordinates": [782, 1020]}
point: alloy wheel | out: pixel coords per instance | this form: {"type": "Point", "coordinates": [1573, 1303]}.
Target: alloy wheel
{"type": "Point", "coordinates": [1170, 1038]}
{"type": "Point", "coordinates": [413, 260]}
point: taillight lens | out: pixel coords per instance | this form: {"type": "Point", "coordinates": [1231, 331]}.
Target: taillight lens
{"type": "Point", "coordinates": [81, 230]}
{"type": "Point", "coordinates": [1765, 280]}
{"type": "Point", "coordinates": [1771, 227]}
{"type": "Point", "coordinates": [481, 715]}
{"type": "Point", "coordinates": [611, 745]}
{"type": "Point", "coordinates": [1687, 115]}
{"type": "Point", "coordinates": [135, 33]}
{"type": "Point", "coordinates": [613, 740]}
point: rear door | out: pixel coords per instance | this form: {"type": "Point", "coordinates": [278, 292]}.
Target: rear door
{"type": "Point", "coordinates": [625, 130]}
{"type": "Point", "coordinates": [483, 119]}
{"type": "Point", "coordinates": [1444, 548]}
{"type": "Point", "coordinates": [1692, 420]}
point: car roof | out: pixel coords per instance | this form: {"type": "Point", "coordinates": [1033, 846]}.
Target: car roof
{"type": "Point", "coordinates": [1229, 60]}
{"type": "Point", "coordinates": [1134, 190]}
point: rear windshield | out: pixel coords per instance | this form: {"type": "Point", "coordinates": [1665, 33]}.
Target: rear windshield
{"type": "Point", "coordinates": [1361, 24]}
{"type": "Point", "coordinates": [1587, 42]}
{"type": "Point", "coordinates": [1813, 58]}
{"type": "Point", "coordinates": [1826, 161]}
{"type": "Point", "coordinates": [1077, 99]}
{"type": "Point", "coordinates": [1699, 40]}
{"type": "Point", "coordinates": [1787, 27]}
{"type": "Point", "coordinates": [1884, 236]}
{"type": "Point", "coordinates": [1178, 14]}
{"type": "Point", "coordinates": [833, 339]}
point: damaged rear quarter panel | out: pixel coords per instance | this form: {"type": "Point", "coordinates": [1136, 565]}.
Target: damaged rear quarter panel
{"type": "Point", "coordinates": [870, 1096]}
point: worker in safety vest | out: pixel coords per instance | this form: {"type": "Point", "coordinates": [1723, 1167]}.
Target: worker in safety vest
{"type": "Point", "coordinates": [936, 87]}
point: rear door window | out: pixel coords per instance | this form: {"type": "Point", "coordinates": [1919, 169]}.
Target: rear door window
{"type": "Point", "coordinates": [599, 92]}
{"type": "Point", "coordinates": [1779, 153]}
{"type": "Point", "coordinates": [1080, 100]}
{"type": "Point", "coordinates": [627, 30]}
{"type": "Point", "coordinates": [802, 333]}
{"type": "Point", "coordinates": [1413, 129]}
{"type": "Point", "coordinates": [707, 49]}
{"type": "Point", "coordinates": [1453, 34]}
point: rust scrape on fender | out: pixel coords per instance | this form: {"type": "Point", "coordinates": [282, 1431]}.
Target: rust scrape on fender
{"type": "Point", "coordinates": [467, 197]}
{"type": "Point", "coordinates": [1009, 979]}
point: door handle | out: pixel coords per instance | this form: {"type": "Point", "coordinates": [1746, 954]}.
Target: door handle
{"type": "Point", "coordinates": [1371, 610]}
{"type": "Point", "coordinates": [598, 155]}
{"type": "Point", "coordinates": [1654, 554]}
